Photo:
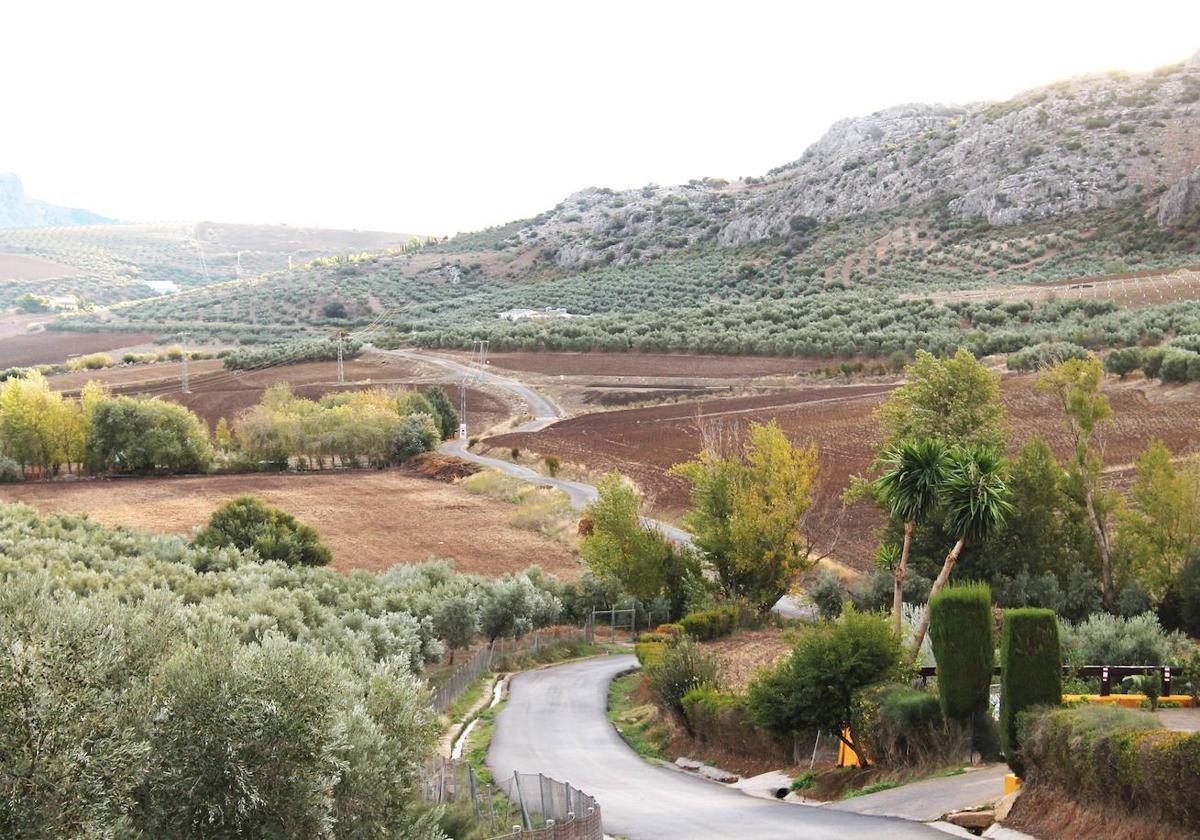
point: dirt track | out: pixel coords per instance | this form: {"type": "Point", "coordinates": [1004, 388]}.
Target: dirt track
{"type": "Point", "coordinates": [653, 365]}
{"type": "Point", "coordinates": [371, 519]}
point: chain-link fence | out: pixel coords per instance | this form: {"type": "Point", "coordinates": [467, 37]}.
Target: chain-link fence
{"type": "Point", "coordinates": [527, 805]}
{"type": "Point", "coordinates": [495, 654]}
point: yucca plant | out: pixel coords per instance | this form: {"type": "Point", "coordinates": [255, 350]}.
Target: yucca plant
{"type": "Point", "coordinates": [974, 498]}
{"type": "Point", "coordinates": [910, 489]}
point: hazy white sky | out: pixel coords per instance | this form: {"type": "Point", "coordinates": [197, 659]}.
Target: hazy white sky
{"type": "Point", "coordinates": [439, 117]}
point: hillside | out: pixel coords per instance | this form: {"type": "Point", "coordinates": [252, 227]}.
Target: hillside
{"type": "Point", "coordinates": [1094, 176]}
{"type": "Point", "coordinates": [18, 210]}
{"type": "Point", "coordinates": [116, 262]}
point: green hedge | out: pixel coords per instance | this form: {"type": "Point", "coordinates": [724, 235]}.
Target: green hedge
{"type": "Point", "coordinates": [960, 631]}
{"type": "Point", "coordinates": [706, 625]}
{"type": "Point", "coordinates": [1031, 673]}
{"type": "Point", "coordinates": [648, 653]}
{"type": "Point", "coordinates": [1116, 756]}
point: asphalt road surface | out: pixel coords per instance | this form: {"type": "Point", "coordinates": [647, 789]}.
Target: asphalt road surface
{"type": "Point", "coordinates": [544, 414]}
{"type": "Point", "coordinates": [555, 724]}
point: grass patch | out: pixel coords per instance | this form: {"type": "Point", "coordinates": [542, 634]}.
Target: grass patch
{"type": "Point", "coordinates": [470, 696]}
{"type": "Point", "coordinates": [875, 787]}
{"type": "Point", "coordinates": [636, 719]}
{"type": "Point", "coordinates": [544, 510]}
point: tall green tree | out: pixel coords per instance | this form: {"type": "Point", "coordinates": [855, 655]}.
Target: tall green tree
{"type": "Point", "coordinates": [620, 546]}
{"type": "Point", "coordinates": [974, 499]}
{"type": "Point", "coordinates": [1075, 386]}
{"type": "Point", "coordinates": [954, 401]}
{"type": "Point", "coordinates": [1161, 531]}
{"type": "Point", "coordinates": [909, 490]}
{"type": "Point", "coordinates": [447, 416]}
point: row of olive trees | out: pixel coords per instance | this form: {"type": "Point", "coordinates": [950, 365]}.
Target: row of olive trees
{"type": "Point", "coordinates": [158, 687]}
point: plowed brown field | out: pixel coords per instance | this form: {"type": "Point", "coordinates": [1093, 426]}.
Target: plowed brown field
{"type": "Point", "coordinates": [217, 392]}
{"type": "Point", "coordinates": [53, 346]}
{"type": "Point", "coordinates": [645, 442]}
{"type": "Point", "coordinates": [371, 519]}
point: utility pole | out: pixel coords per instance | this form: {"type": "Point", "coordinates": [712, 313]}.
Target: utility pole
{"type": "Point", "coordinates": [462, 408]}
{"type": "Point", "coordinates": [183, 345]}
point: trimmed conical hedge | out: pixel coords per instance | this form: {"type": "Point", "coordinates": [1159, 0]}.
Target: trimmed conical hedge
{"type": "Point", "coordinates": [1031, 672]}
{"type": "Point", "coordinates": [961, 633]}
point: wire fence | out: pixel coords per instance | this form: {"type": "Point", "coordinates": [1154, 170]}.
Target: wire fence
{"type": "Point", "coordinates": [528, 805]}
{"type": "Point", "coordinates": [495, 655]}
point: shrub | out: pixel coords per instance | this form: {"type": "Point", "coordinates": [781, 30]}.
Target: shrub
{"type": "Point", "coordinates": [552, 465]}
{"type": "Point", "coordinates": [140, 435]}
{"type": "Point", "coordinates": [680, 668]}
{"type": "Point", "coordinates": [1105, 639]}
{"type": "Point", "coordinates": [92, 361]}
{"type": "Point", "coordinates": [901, 726]}
{"type": "Point", "coordinates": [706, 625]}
{"type": "Point", "coordinates": [1152, 361]}
{"type": "Point", "coordinates": [814, 686]}
{"type": "Point", "coordinates": [10, 470]}
{"type": "Point", "coordinates": [246, 523]}
{"type": "Point", "coordinates": [1123, 361]}
{"type": "Point", "coordinates": [1039, 356]}
{"type": "Point", "coordinates": [1030, 673]}
{"type": "Point", "coordinates": [515, 452]}
{"type": "Point", "coordinates": [826, 595]}
{"type": "Point", "coordinates": [1116, 755]}
{"type": "Point", "coordinates": [1179, 365]}
{"type": "Point", "coordinates": [648, 653]}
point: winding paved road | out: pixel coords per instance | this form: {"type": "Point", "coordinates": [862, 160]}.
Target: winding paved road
{"type": "Point", "coordinates": [555, 724]}
{"type": "Point", "coordinates": [545, 413]}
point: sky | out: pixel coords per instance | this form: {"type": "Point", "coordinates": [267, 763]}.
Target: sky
{"type": "Point", "coordinates": [434, 118]}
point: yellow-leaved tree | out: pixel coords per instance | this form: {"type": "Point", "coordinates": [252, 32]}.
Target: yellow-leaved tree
{"type": "Point", "coordinates": [749, 511]}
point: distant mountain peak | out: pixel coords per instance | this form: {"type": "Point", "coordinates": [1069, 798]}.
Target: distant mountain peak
{"type": "Point", "coordinates": [18, 210]}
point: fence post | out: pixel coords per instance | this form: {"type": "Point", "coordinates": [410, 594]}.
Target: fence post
{"type": "Point", "coordinates": [521, 799]}
{"type": "Point", "coordinates": [491, 798]}
{"type": "Point", "coordinates": [1166, 681]}
{"type": "Point", "coordinates": [474, 796]}
{"type": "Point", "coordinates": [1104, 684]}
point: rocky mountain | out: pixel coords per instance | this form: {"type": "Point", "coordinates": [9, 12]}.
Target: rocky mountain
{"type": "Point", "coordinates": [1078, 145]}
{"type": "Point", "coordinates": [18, 210]}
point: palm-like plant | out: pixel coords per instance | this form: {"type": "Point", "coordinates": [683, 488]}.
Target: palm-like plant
{"type": "Point", "coordinates": [910, 489]}
{"type": "Point", "coordinates": [974, 497]}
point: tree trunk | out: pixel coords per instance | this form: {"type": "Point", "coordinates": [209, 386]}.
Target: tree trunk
{"type": "Point", "coordinates": [1106, 582]}
{"type": "Point", "coordinates": [900, 574]}
{"type": "Point", "coordinates": [942, 577]}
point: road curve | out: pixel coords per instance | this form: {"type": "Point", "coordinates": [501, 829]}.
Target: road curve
{"type": "Point", "coordinates": [546, 413]}
{"type": "Point", "coordinates": [555, 724]}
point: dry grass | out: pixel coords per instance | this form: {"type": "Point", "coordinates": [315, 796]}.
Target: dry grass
{"type": "Point", "coordinates": [742, 655]}
{"type": "Point", "coordinates": [371, 519]}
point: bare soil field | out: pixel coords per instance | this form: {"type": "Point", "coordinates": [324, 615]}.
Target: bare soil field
{"type": "Point", "coordinates": [218, 393]}
{"type": "Point", "coordinates": [1130, 290]}
{"type": "Point", "coordinates": [648, 365]}
{"type": "Point", "coordinates": [53, 346]}
{"type": "Point", "coordinates": [22, 267]}
{"type": "Point", "coordinates": [371, 519]}
{"type": "Point", "coordinates": [645, 442]}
